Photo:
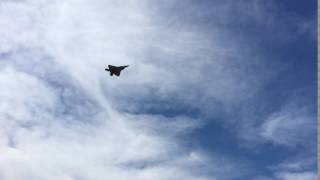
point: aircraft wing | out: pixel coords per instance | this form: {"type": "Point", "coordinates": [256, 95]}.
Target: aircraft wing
{"type": "Point", "coordinates": [111, 67]}
{"type": "Point", "coordinates": [124, 66]}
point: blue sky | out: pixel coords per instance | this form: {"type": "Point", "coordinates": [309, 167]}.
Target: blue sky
{"type": "Point", "coordinates": [216, 89]}
{"type": "Point", "coordinates": [297, 80]}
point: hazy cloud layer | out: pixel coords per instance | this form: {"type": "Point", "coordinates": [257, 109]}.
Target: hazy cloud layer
{"type": "Point", "coordinates": [63, 117]}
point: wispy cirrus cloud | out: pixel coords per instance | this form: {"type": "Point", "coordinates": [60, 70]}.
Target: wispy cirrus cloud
{"type": "Point", "coordinates": [61, 107]}
{"type": "Point", "coordinates": [62, 117]}
{"type": "Point", "coordinates": [284, 127]}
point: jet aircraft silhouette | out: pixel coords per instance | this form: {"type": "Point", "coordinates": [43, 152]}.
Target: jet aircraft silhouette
{"type": "Point", "coordinates": [115, 70]}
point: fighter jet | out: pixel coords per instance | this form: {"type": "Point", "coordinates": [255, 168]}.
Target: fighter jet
{"type": "Point", "coordinates": [115, 69]}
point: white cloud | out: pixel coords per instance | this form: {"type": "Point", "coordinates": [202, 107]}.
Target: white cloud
{"type": "Point", "coordinates": [290, 175]}
{"type": "Point", "coordinates": [59, 111]}
{"type": "Point", "coordinates": [295, 164]}
{"type": "Point", "coordinates": [63, 117]}
{"type": "Point", "coordinates": [290, 126]}
{"type": "Point", "coordinates": [301, 168]}
{"type": "Point", "coordinates": [297, 176]}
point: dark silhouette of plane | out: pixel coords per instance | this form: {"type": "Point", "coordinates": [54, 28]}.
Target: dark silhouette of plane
{"type": "Point", "coordinates": [115, 69]}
